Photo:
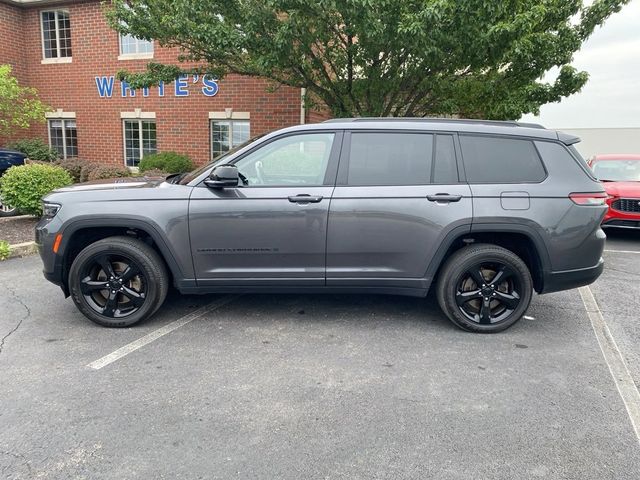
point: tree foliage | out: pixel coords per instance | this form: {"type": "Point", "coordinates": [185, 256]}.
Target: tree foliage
{"type": "Point", "coordinates": [19, 106]}
{"type": "Point", "coordinates": [472, 58]}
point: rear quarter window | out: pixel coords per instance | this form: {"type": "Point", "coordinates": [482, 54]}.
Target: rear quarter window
{"type": "Point", "coordinates": [563, 164]}
{"type": "Point", "coordinates": [501, 160]}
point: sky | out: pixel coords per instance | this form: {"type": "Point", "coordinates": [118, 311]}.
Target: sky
{"type": "Point", "coordinates": [611, 97]}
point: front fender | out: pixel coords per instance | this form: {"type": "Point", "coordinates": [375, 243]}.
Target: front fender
{"type": "Point", "coordinates": [172, 239]}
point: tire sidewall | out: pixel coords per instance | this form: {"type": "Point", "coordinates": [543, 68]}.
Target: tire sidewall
{"type": "Point", "coordinates": [458, 268]}
{"type": "Point", "coordinates": [151, 295]}
{"type": "Point", "coordinates": [11, 213]}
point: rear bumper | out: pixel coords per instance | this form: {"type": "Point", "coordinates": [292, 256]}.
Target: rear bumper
{"type": "Point", "coordinates": [566, 280]}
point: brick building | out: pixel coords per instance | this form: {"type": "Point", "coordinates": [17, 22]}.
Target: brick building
{"type": "Point", "coordinates": [66, 50]}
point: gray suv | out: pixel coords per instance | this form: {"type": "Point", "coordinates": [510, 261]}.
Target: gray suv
{"type": "Point", "coordinates": [486, 212]}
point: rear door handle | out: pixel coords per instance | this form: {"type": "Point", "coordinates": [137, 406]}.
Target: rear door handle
{"type": "Point", "coordinates": [305, 198]}
{"type": "Point", "coordinates": [444, 198]}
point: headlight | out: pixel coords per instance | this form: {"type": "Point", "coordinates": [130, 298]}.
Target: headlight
{"type": "Point", "coordinates": [49, 210]}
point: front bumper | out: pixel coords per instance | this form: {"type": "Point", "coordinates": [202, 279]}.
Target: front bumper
{"type": "Point", "coordinates": [46, 231]}
{"type": "Point", "coordinates": [622, 223]}
{"type": "Point", "coordinates": [619, 219]}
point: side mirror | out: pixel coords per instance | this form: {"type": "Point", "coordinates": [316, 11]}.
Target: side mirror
{"type": "Point", "coordinates": [223, 176]}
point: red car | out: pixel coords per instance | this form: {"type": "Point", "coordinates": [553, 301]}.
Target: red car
{"type": "Point", "coordinates": [620, 176]}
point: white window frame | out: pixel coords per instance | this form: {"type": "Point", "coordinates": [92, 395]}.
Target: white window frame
{"type": "Point", "coordinates": [63, 117]}
{"type": "Point", "coordinates": [227, 116]}
{"type": "Point", "coordinates": [136, 55]}
{"type": "Point", "coordinates": [136, 116]}
{"type": "Point", "coordinates": [57, 58]}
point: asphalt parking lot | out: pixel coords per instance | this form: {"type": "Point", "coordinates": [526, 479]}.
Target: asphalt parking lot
{"type": "Point", "coordinates": [311, 386]}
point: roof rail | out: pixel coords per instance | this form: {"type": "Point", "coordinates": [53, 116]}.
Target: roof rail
{"type": "Point", "coordinates": [469, 121]}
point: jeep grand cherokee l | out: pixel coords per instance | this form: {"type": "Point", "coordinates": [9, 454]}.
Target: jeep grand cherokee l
{"type": "Point", "coordinates": [486, 212]}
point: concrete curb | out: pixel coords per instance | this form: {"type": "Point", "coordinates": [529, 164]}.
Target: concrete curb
{"type": "Point", "coordinates": [16, 217]}
{"type": "Point", "coordinates": [20, 250]}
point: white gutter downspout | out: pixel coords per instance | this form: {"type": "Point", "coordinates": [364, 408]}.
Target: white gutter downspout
{"type": "Point", "coordinates": [303, 108]}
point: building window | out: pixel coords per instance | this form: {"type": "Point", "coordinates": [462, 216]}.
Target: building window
{"type": "Point", "coordinates": [139, 140]}
{"type": "Point", "coordinates": [227, 134]}
{"type": "Point", "coordinates": [63, 137]}
{"type": "Point", "coordinates": [130, 45]}
{"type": "Point", "coordinates": [56, 34]}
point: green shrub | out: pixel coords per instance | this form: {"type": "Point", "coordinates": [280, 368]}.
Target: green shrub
{"type": "Point", "coordinates": [24, 186]}
{"type": "Point", "coordinates": [5, 250]}
{"type": "Point", "coordinates": [73, 166]}
{"type": "Point", "coordinates": [103, 172]}
{"type": "Point", "coordinates": [171, 162]}
{"type": "Point", "coordinates": [154, 172]}
{"type": "Point", "coordinates": [35, 149]}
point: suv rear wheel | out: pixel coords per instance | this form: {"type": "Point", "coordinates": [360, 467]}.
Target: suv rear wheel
{"type": "Point", "coordinates": [484, 288]}
{"type": "Point", "coordinates": [118, 281]}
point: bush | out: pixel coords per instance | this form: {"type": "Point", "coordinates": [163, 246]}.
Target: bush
{"type": "Point", "coordinates": [154, 172]}
{"type": "Point", "coordinates": [171, 162]}
{"type": "Point", "coordinates": [73, 166]}
{"type": "Point", "coordinates": [103, 172]}
{"type": "Point", "coordinates": [24, 186]}
{"type": "Point", "coordinates": [86, 170]}
{"type": "Point", "coordinates": [5, 250]}
{"type": "Point", "coordinates": [35, 149]}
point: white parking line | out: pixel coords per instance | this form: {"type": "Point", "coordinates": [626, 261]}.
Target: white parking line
{"type": "Point", "coordinates": [622, 251]}
{"type": "Point", "coordinates": [161, 332]}
{"type": "Point", "coordinates": [614, 359]}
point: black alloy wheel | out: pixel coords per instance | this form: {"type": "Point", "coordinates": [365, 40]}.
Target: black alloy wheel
{"type": "Point", "coordinates": [118, 281]}
{"type": "Point", "coordinates": [484, 288]}
{"type": "Point", "coordinates": [113, 285]}
{"type": "Point", "coordinates": [488, 292]}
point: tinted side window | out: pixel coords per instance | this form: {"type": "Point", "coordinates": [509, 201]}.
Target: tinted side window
{"type": "Point", "coordinates": [390, 159]}
{"type": "Point", "coordinates": [501, 160]}
{"type": "Point", "coordinates": [445, 169]}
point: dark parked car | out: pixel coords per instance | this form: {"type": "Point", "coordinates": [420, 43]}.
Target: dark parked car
{"type": "Point", "coordinates": [8, 159]}
{"type": "Point", "coordinates": [486, 212]}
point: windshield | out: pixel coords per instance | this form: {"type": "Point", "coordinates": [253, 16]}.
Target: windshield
{"type": "Point", "coordinates": [617, 170]}
{"type": "Point", "coordinates": [186, 178]}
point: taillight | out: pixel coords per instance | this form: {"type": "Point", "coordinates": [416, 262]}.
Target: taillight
{"type": "Point", "coordinates": [589, 199]}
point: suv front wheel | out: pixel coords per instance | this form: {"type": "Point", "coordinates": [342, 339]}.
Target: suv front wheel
{"type": "Point", "coordinates": [118, 281]}
{"type": "Point", "coordinates": [484, 288]}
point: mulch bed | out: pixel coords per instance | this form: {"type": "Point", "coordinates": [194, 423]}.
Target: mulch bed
{"type": "Point", "coordinates": [17, 229]}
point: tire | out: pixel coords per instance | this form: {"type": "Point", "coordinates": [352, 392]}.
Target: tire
{"type": "Point", "coordinates": [473, 295]}
{"type": "Point", "coordinates": [118, 281]}
{"type": "Point", "coordinates": [7, 211]}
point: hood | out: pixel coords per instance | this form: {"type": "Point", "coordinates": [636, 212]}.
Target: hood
{"type": "Point", "coordinates": [623, 189]}
{"type": "Point", "coordinates": [115, 184]}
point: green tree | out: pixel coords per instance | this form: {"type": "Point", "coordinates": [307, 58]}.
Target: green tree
{"type": "Point", "coordinates": [472, 58]}
{"type": "Point", "coordinates": [19, 106]}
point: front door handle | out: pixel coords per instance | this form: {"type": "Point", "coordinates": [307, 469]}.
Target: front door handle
{"type": "Point", "coordinates": [305, 198]}
{"type": "Point", "coordinates": [444, 198]}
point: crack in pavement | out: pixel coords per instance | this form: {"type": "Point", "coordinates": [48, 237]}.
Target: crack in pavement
{"type": "Point", "coordinates": [15, 329]}
{"type": "Point", "coordinates": [18, 456]}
